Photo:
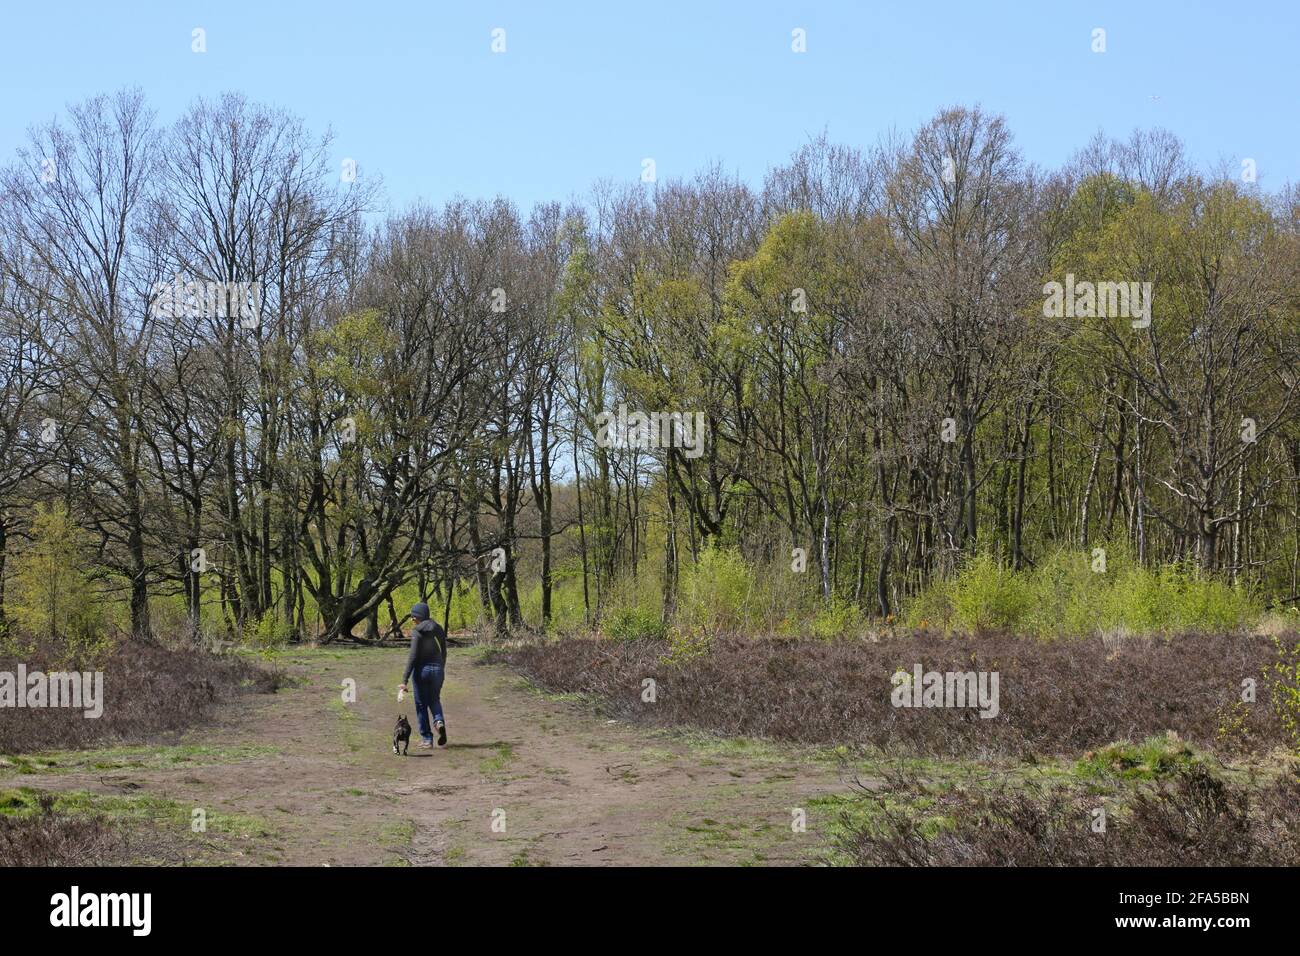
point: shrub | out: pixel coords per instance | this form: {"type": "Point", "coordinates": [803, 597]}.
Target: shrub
{"type": "Point", "coordinates": [267, 632]}
{"type": "Point", "coordinates": [1207, 604]}
{"type": "Point", "coordinates": [148, 689]}
{"type": "Point", "coordinates": [1064, 595]}
{"type": "Point", "coordinates": [635, 623]}
{"type": "Point", "coordinates": [837, 619]}
{"type": "Point", "coordinates": [1194, 819]}
{"type": "Point", "coordinates": [1174, 597]}
{"type": "Point", "coordinates": [931, 609]}
{"type": "Point", "coordinates": [633, 609]}
{"type": "Point", "coordinates": [52, 597]}
{"type": "Point", "coordinates": [1055, 697]}
{"type": "Point", "coordinates": [988, 596]}
{"type": "Point", "coordinates": [1284, 686]}
{"type": "Point", "coordinates": [717, 594]}
{"type": "Point", "coordinates": [44, 837]}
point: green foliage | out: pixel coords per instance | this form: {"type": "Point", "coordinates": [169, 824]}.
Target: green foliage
{"type": "Point", "coordinates": [352, 355]}
{"type": "Point", "coordinates": [267, 632]}
{"type": "Point", "coordinates": [1172, 598]}
{"type": "Point", "coordinates": [930, 609]}
{"type": "Point", "coordinates": [836, 619]}
{"type": "Point", "coordinates": [51, 596]}
{"type": "Point", "coordinates": [1152, 759]}
{"type": "Point", "coordinates": [1285, 686]}
{"type": "Point", "coordinates": [635, 623]}
{"type": "Point", "coordinates": [788, 609]}
{"type": "Point", "coordinates": [465, 612]}
{"type": "Point", "coordinates": [1066, 595]}
{"type": "Point", "coordinates": [717, 594]}
{"type": "Point", "coordinates": [567, 609]}
{"type": "Point", "coordinates": [633, 609]}
{"type": "Point", "coordinates": [987, 595]}
{"type": "Point", "coordinates": [1233, 730]}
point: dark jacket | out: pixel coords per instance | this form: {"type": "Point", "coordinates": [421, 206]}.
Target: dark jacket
{"type": "Point", "coordinates": [428, 646]}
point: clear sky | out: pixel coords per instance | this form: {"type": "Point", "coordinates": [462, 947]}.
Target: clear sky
{"type": "Point", "coordinates": [586, 90]}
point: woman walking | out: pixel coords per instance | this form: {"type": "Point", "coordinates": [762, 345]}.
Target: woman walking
{"type": "Point", "coordinates": [427, 661]}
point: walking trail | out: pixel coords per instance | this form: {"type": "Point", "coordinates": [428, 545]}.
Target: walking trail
{"type": "Point", "coordinates": [300, 777]}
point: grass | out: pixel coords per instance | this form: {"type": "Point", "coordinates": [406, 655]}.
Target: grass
{"type": "Point", "coordinates": [502, 754]}
{"type": "Point", "coordinates": [704, 836]}
{"type": "Point", "coordinates": [397, 835]}
{"type": "Point", "coordinates": [914, 787]}
{"type": "Point", "coordinates": [349, 733]}
{"type": "Point", "coordinates": [525, 858]}
{"type": "Point", "coordinates": [143, 808]}
{"type": "Point", "coordinates": [130, 758]}
{"type": "Point", "coordinates": [1152, 759]}
{"type": "Point", "coordinates": [79, 827]}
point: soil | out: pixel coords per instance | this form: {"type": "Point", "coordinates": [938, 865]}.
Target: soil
{"type": "Point", "coordinates": [524, 780]}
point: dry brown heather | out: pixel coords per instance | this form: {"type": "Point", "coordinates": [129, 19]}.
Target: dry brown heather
{"type": "Point", "coordinates": [1194, 819]}
{"type": "Point", "coordinates": [48, 838]}
{"type": "Point", "coordinates": [148, 690]}
{"type": "Point", "coordinates": [1059, 697]}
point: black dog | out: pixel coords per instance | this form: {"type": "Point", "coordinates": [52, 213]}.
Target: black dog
{"type": "Point", "coordinates": [401, 734]}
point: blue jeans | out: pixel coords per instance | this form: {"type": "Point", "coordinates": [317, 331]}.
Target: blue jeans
{"type": "Point", "coordinates": [428, 687]}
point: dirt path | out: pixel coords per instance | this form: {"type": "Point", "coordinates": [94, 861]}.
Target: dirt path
{"type": "Point", "coordinates": [302, 778]}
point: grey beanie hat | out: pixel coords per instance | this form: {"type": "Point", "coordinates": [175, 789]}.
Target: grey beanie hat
{"type": "Point", "coordinates": [420, 612]}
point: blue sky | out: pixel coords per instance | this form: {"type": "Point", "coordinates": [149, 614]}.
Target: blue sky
{"type": "Point", "coordinates": [584, 91]}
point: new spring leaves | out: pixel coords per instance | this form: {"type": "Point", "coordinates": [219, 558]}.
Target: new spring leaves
{"type": "Point", "coordinates": [1099, 300]}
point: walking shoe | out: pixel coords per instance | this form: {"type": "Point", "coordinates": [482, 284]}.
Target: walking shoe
{"type": "Point", "coordinates": [425, 744]}
{"type": "Point", "coordinates": [442, 733]}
